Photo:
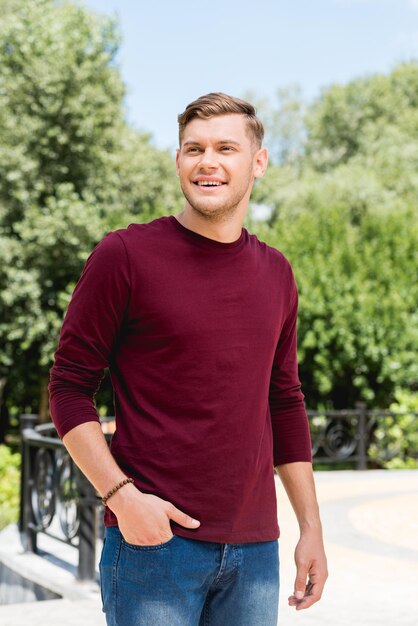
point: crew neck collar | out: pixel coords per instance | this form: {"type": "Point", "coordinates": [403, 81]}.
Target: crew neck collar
{"type": "Point", "coordinates": [207, 241]}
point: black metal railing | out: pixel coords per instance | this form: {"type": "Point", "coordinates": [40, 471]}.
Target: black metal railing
{"type": "Point", "coordinates": [341, 436]}
{"type": "Point", "coordinates": [56, 498]}
{"type": "Point", "coordinates": [361, 437]}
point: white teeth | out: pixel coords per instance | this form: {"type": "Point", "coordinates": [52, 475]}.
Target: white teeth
{"type": "Point", "coordinates": [208, 183]}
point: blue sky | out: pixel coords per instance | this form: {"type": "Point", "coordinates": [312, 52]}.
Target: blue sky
{"type": "Point", "coordinates": [175, 51]}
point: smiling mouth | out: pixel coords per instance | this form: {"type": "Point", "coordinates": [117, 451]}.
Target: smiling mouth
{"type": "Point", "coordinates": [208, 183]}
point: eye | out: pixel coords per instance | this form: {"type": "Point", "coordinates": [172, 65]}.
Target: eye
{"type": "Point", "coordinates": [227, 148]}
{"type": "Point", "coordinates": [193, 149]}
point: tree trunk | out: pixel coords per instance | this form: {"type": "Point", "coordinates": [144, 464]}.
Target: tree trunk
{"type": "Point", "coordinates": [44, 415]}
{"type": "Point", "coordinates": [4, 412]}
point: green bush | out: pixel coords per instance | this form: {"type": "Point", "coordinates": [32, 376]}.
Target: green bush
{"type": "Point", "coordinates": [357, 326]}
{"type": "Point", "coordinates": [395, 439]}
{"type": "Point", "coordinates": [9, 485]}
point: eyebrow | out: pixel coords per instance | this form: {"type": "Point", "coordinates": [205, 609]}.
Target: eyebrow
{"type": "Point", "coordinates": [197, 143]}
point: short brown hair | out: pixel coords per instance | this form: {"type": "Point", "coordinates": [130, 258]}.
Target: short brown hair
{"type": "Point", "coordinates": [221, 104]}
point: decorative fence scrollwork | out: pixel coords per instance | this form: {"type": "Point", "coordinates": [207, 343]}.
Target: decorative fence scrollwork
{"type": "Point", "coordinates": [340, 439]}
{"type": "Point", "coordinates": [54, 491]}
{"type": "Point", "coordinates": [340, 436]}
{"type": "Point", "coordinates": [67, 496]}
{"type": "Point", "coordinates": [56, 499]}
{"type": "Point", "coordinates": [43, 488]}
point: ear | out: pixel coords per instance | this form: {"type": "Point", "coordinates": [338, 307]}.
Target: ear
{"type": "Point", "coordinates": [177, 161]}
{"type": "Point", "coordinates": [261, 159]}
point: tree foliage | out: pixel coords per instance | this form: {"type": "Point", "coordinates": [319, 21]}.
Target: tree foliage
{"type": "Point", "coordinates": [347, 219]}
{"type": "Point", "coordinates": [70, 170]}
{"type": "Point", "coordinates": [395, 437]}
{"type": "Point", "coordinates": [358, 321]}
{"type": "Point", "coordinates": [348, 120]}
{"type": "Point", "coordinates": [9, 485]}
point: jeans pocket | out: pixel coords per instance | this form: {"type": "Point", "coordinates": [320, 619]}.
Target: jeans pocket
{"type": "Point", "coordinates": [158, 546]}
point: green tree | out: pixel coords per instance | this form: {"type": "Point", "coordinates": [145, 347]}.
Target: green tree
{"type": "Point", "coordinates": [346, 119]}
{"type": "Point", "coordinates": [395, 437]}
{"type": "Point", "coordinates": [347, 219]}
{"type": "Point", "coordinates": [358, 322]}
{"type": "Point", "coordinates": [9, 486]}
{"type": "Point", "coordinates": [70, 170]}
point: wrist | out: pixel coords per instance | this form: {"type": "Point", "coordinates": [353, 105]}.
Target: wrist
{"type": "Point", "coordinates": [115, 488]}
{"type": "Point", "coordinates": [310, 526]}
{"type": "Point", "coordinates": [123, 498]}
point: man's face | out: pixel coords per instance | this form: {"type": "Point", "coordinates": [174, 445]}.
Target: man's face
{"type": "Point", "coordinates": [217, 163]}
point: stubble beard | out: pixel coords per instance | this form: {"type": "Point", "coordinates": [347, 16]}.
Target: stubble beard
{"type": "Point", "coordinates": [216, 214]}
{"type": "Point", "coordinates": [209, 212]}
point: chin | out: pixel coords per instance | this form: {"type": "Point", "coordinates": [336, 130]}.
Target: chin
{"type": "Point", "coordinates": [214, 214]}
{"type": "Point", "coordinates": [206, 206]}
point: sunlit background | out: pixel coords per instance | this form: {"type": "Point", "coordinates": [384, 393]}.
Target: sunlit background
{"type": "Point", "coordinates": [89, 97]}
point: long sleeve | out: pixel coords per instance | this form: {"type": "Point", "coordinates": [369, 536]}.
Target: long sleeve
{"type": "Point", "coordinates": [291, 436]}
{"type": "Point", "coordinates": [89, 334]}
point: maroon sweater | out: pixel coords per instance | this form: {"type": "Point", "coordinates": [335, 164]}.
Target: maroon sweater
{"type": "Point", "coordinates": [200, 340]}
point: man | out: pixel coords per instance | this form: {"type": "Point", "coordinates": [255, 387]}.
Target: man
{"type": "Point", "coordinates": [196, 320]}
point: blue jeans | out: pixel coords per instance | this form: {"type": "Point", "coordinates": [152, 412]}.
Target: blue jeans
{"type": "Point", "coordinates": [186, 582]}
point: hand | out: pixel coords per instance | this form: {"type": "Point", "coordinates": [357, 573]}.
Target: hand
{"type": "Point", "coordinates": [144, 519]}
{"type": "Point", "coordinates": [311, 564]}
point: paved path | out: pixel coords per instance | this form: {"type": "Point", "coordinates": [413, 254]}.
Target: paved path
{"type": "Point", "coordinates": [370, 524]}
{"type": "Point", "coordinates": [371, 529]}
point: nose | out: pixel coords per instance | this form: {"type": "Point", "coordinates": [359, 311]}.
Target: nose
{"type": "Point", "coordinates": [209, 159]}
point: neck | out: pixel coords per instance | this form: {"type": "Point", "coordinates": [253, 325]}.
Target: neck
{"type": "Point", "coordinates": [225, 231]}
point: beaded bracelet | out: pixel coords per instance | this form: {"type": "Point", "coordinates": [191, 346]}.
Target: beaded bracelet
{"type": "Point", "coordinates": [115, 489]}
